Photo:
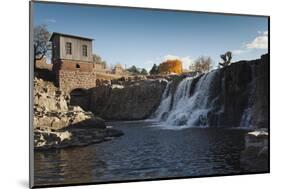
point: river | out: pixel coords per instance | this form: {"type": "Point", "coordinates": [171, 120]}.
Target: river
{"type": "Point", "coordinates": [145, 151]}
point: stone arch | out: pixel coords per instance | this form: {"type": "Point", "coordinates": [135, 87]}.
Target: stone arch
{"type": "Point", "coordinates": [80, 97]}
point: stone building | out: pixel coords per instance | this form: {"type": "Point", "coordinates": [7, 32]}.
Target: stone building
{"type": "Point", "coordinates": [72, 61]}
{"type": "Point", "coordinates": [99, 67]}
{"type": "Point", "coordinates": [118, 69]}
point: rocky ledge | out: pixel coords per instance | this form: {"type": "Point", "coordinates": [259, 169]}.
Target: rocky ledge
{"type": "Point", "coordinates": [58, 125]}
{"type": "Point", "coordinates": [256, 154]}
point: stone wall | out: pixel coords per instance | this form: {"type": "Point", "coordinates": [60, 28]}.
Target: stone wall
{"type": "Point", "coordinates": [100, 67]}
{"type": "Point", "coordinates": [73, 65]}
{"type": "Point", "coordinates": [71, 75]}
{"type": "Point", "coordinates": [70, 80]}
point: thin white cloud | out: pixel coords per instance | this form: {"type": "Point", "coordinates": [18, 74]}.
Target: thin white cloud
{"type": "Point", "coordinates": [241, 51]}
{"type": "Point", "coordinates": [49, 20]}
{"type": "Point", "coordinates": [238, 51]}
{"type": "Point", "coordinates": [260, 42]}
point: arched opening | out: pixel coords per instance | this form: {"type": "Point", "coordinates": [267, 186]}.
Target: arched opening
{"type": "Point", "coordinates": [77, 66]}
{"type": "Point", "coordinates": [80, 97]}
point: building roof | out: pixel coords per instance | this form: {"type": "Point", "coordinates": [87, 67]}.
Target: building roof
{"type": "Point", "coordinates": [69, 35]}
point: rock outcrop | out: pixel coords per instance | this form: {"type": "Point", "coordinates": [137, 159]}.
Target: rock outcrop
{"type": "Point", "coordinates": [51, 107]}
{"type": "Point", "coordinates": [57, 125]}
{"type": "Point", "coordinates": [245, 97]}
{"type": "Point", "coordinates": [74, 136]}
{"type": "Point", "coordinates": [255, 157]}
{"type": "Point", "coordinates": [127, 100]}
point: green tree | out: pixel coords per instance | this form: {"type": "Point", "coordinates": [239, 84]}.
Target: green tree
{"type": "Point", "coordinates": [143, 72]}
{"type": "Point", "coordinates": [133, 69]}
{"type": "Point", "coordinates": [226, 58]}
{"type": "Point", "coordinates": [154, 70]}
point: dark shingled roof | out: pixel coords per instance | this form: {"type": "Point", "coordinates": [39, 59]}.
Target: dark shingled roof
{"type": "Point", "coordinates": [69, 35]}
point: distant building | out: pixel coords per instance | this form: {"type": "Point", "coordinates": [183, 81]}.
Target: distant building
{"type": "Point", "coordinates": [72, 61]}
{"type": "Point", "coordinates": [118, 69]}
{"type": "Point", "coordinates": [99, 67]}
{"type": "Point", "coordinates": [171, 67]}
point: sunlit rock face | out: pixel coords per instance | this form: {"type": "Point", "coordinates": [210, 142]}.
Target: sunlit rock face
{"type": "Point", "coordinates": [234, 96]}
{"type": "Point", "coordinates": [58, 125]}
{"type": "Point", "coordinates": [51, 108]}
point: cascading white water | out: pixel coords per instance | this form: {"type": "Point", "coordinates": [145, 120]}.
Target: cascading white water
{"type": "Point", "coordinates": [165, 103]}
{"type": "Point", "coordinates": [247, 115]}
{"type": "Point", "coordinates": [183, 108]}
{"type": "Point", "coordinates": [228, 98]}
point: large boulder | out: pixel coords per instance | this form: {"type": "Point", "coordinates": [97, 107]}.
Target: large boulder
{"type": "Point", "coordinates": [256, 153]}
{"type": "Point", "coordinates": [45, 139]}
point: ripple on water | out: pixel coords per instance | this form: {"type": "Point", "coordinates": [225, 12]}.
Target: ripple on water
{"type": "Point", "coordinates": [144, 152]}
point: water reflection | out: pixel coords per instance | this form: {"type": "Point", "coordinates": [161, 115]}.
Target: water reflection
{"type": "Point", "coordinates": [71, 165]}
{"type": "Point", "coordinates": [144, 152]}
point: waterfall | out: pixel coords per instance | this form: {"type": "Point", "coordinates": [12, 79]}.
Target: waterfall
{"type": "Point", "coordinates": [184, 107]}
{"type": "Point", "coordinates": [247, 115]}
{"type": "Point", "coordinates": [197, 102]}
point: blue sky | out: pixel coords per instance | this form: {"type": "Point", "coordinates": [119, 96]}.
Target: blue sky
{"type": "Point", "coordinates": [143, 37]}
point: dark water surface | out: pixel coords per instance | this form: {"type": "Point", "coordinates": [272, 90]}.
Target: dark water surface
{"type": "Point", "coordinates": [144, 152]}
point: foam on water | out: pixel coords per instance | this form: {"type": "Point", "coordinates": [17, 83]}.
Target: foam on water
{"type": "Point", "coordinates": [191, 104]}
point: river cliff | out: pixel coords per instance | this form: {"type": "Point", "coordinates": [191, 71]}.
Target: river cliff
{"type": "Point", "coordinates": [234, 96]}
{"type": "Point", "coordinates": [132, 100]}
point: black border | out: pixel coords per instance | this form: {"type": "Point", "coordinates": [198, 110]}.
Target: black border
{"type": "Point", "coordinates": [31, 74]}
{"type": "Point", "coordinates": [31, 84]}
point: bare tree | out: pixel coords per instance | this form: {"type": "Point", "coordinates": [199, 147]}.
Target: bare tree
{"type": "Point", "coordinates": [202, 64]}
{"type": "Point", "coordinates": [41, 42]}
{"type": "Point", "coordinates": [98, 60]}
{"type": "Point", "coordinates": [226, 57]}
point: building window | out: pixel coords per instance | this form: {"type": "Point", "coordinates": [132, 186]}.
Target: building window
{"type": "Point", "coordinates": [84, 50]}
{"type": "Point", "coordinates": [68, 48]}
{"type": "Point", "coordinates": [77, 66]}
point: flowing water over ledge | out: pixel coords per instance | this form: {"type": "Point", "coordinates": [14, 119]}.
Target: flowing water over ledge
{"type": "Point", "coordinates": [144, 152]}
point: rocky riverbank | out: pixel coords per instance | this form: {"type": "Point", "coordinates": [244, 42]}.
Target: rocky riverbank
{"type": "Point", "coordinates": [58, 125]}
{"type": "Point", "coordinates": [255, 156]}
